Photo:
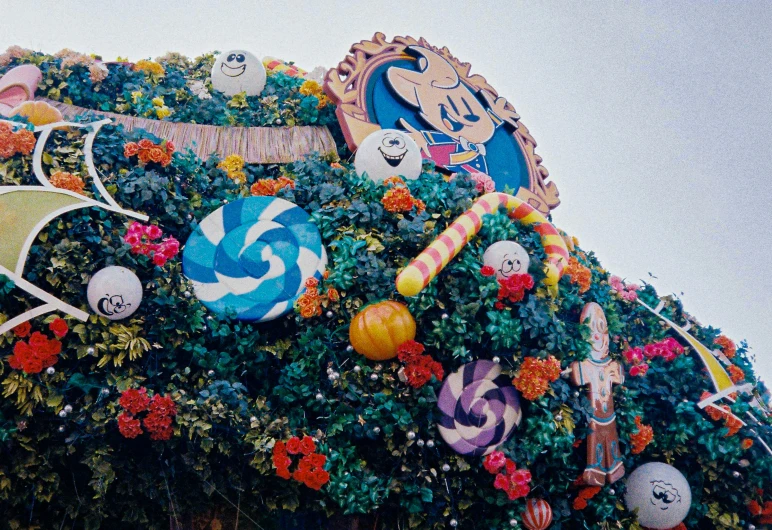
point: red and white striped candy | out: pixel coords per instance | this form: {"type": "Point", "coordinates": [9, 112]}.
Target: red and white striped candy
{"type": "Point", "coordinates": [537, 514]}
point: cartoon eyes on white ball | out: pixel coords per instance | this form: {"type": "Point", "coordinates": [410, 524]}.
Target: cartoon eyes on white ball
{"type": "Point", "coordinates": [393, 141]}
{"type": "Point", "coordinates": [510, 265]}
{"type": "Point", "coordinates": [236, 57]}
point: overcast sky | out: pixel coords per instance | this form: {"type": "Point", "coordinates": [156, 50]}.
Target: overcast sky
{"type": "Point", "coordinates": [653, 118]}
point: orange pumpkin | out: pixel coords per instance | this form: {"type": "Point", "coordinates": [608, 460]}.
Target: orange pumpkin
{"type": "Point", "coordinates": [38, 112]}
{"type": "Point", "coordinates": [378, 329]}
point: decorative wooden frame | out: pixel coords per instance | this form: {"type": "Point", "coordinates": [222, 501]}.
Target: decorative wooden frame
{"type": "Point", "coordinates": [347, 85]}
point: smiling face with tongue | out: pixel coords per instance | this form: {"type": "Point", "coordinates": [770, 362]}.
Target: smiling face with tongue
{"type": "Point", "coordinates": [387, 153]}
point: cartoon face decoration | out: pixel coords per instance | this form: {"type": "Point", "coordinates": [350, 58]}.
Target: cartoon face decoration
{"type": "Point", "coordinates": [507, 258]}
{"type": "Point", "coordinates": [386, 153]}
{"type": "Point", "coordinates": [114, 293]}
{"type": "Point", "coordinates": [593, 316]}
{"type": "Point", "coordinates": [238, 71]}
{"type": "Point", "coordinates": [660, 493]}
{"type": "Point", "coordinates": [442, 100]}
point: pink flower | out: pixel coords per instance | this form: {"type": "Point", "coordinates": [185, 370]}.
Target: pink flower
{"type": "Point", "coordinates": [521, 477]}
{"type": "Point", "coordinates": [483, 182]}
{"type": "Point", "coordinates": [153, 232]}
{"type": "Point", "coordinates": [136, 228]}
{"type": "Point", "coordinates": [159, 259]}
{"type": "Point", "coordinates": [494, 461]}
{"type": "Point", "coordinates": [674, 345]}
{"type": "Point", "coordinates": [501, 482]}
{"type": "Point", "coordinates": [639, 370]}
{"type": "Point", "coordinates": [634, 356]}
{"type": "Point", "coordinates": [132, 239]}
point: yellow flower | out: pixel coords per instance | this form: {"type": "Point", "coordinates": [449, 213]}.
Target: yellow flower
{"type": "Point", "coordinates": [135, 96]}
{"type": "Point", "coordinates": [158, 101]}
{"type": "Point", "coordinates": [311, 88]}
{"type": "Point", "coordinates": [231, 164]}
{"type": "Point", "coordinates": [150, 67]}
{"type": "Point", "coordinates": [162, 112]}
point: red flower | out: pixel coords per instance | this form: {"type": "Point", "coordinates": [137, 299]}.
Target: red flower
{"type": "Point", "coordinates": [134, 401]}
{"type": "Point", "coordinates": [494, 462]}
{"type": "Point", "coordinates": [316, 479]}
{"type": "Point", "coordinates": [163, 405]}
{"type": "Point", "coordinates": [746, 444]}
{"type": "Point", "coordinates": [409, 351]}
{"type": "Point", "coordinates": [38, 340]}
{"type": "Point", "coordinates": [501, 482]}
{"type": "Point", "coordinates": [513, 289]}
{"type": "Point", "coordinates": [639, 370]}
{"type": "Point", "coordinates": [634, 356]}
{"type": "Point", "coordinates": [487, 270]}
{"type": "Point", "coordinates": [293, 445]}
{"type": "Point", "coordinates": [129, 426]}
{"type": "Point", "coordinates": [59, 327]}
{"type": "Point", "coordinates": [307, 445]}
{"type": "Point", "coordinates": [283, 472]}
{"type": "Point", "coordinates": [159, 426]}
{"type": "Point", "coordinates": [280, 448]}
{"type": "Point", "coordinates": [22, 330]}
{"type": "Point", "coordinates": [317, 460]}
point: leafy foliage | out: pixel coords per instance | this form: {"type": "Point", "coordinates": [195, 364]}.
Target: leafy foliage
{"type": "Point", "coordinates": [241, 387]}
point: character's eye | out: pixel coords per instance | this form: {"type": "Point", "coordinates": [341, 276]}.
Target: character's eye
{"type": "Point", "coordinates": [453, 104]}
{"type": "Point", "coordinates": [507, 266]}
{"type": "Point", "coordinates": [398, 142]}
{"type": "Point", "coordinates": [240, 57]}
{"type": "Point", "coordinates": [470, 115]}
{"type": "Point", "coordinates": [231, 57]}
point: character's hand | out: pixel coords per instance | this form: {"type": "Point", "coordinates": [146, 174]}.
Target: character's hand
{"type": "Point", "coordinates": [499, 107]}
{"type": "Point", "coordinates": [416, 135]}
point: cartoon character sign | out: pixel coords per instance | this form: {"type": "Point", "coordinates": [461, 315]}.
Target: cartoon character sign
{"type": "Point", "coordinates": [386, 153]}
{"type": "Point", "coordinates": [599, 373]}
{"type": "Point", "coordinates": [660, 493]}
{"type": "Point", "coordinates": [456, 119]}
{"type": "Point", "coordinates": [238, 71]}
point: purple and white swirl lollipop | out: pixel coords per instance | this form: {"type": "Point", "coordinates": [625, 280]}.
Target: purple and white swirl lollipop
{"type": "Point", "coordinates": [480, 408]}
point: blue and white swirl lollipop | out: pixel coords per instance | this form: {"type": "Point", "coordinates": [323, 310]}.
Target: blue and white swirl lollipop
{"type": "Point", "coordinates": [251, 258]}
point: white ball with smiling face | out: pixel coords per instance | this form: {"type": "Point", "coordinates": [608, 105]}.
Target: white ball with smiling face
{"type": "Point", "coordinates": [507, 258]}
{"type": "Point", "coordinates": [238, 71]}
{"type": "Point", "coordinates": [660, 493]}
{"type": "Point", "coordinates": [387, 153]}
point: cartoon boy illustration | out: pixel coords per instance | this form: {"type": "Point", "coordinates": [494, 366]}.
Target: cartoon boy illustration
{"type": "Point", "coordinates": [460, 124]}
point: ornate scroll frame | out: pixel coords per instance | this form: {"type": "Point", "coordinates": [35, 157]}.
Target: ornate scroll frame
{"type": "Point", "coordinates": [346, 85]}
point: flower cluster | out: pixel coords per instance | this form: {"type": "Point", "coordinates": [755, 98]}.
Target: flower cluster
{"type": "Point", "coordinates": [642, 437]}
{"type": "Point", "coordinates": [270, 187]}
{"type": "Point", "coordinates": [513, 288]}
{"type": "Point", "coordinates": [763, 514]}
{"type": "Point", "coordinates": [627, 292]}
{"type": "Point", "coordinates": [159, 108]}
{"type": "Point", "coordinates": [310, 303]}
{"type": "Point", "coordinates": [668, 349]}
{"type": "Point", "coordinates": [727, 346]}
{"type": "Point", "coordinates": [11, 143]}
{"type": "Point", "coordinates": [585, 494]}
{"type": "Point", "coordinates": [579, 274]}
{"type": "Point", "coordinates": [746, 444]}
{"type": "Point", "coordinates": [514, 482]}
{"type": "Point", "coordinates": [398, 197]}
{"type": "Point", "coordinates": [97, 72]}
{"type": "Point", "coordinates": [310, 468]}
{"type": "Point", "coordinates": [67, 181]}
{"type": "Point", "coordinates": [535, 376]}
{"type": "Point", "coordinates": [313, 88]}
{"type": "Point", "coordinates": [150, 67]}
{"type": "Point", "coordinates": [233, 165]}
{"type": "Point", "coordinates": [158, 420]}
{"type": "Point", "coordinates": [736, 373]}
{"type": "Point", "coordinates": [723, 412]}
{"type": "Point", "coordinates": [146, 151]}
{"type": "Point", "coordinates": [419, 368]}
{"type": "Point", "coordinates": [39, 352]}
{"type": "Point", "coordinates": [13, 52]}
{"type": "Point", "coordinates": [141, 238]}
{"type": "Point", "coordinates": [482, 182]}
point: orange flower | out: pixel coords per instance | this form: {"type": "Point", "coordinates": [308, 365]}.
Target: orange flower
{"type": "Point", "coordinates": [727, 345]}
{"type": "Point", "coordinates": [333, 294]}
{"type": "Point", "coordinates": [25, 141]}
{"type": "Point", "coordinates": [396, 181]}
{"type": "Point", "coordinates": [535, 375]}
{"type": "Point", "coordinates": [269, 187]}
{"type": "Point", "coordinates": [579, 274]}
{"type": "Point", "coordinates": [11, 143]}
{"type": "Point", "coordinates": [67, 181]}
{"type": "Point", "coordinates": [735, 373]}
{"type": "Point", "coordinates": [336, 165]}
{"type": "Point", "coordinates": [746, 444]}
{"type": "Point", "coordinates": [399, 199]}
{"type": "Point", "coordinates": [642, 438]}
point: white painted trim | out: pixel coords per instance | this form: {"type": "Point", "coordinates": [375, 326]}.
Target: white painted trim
{"type": "Point", "coordinates": [24, 317]}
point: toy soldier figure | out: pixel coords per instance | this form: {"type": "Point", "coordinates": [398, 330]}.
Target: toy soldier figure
{"type": "Point", "coordinates": [599, 373]}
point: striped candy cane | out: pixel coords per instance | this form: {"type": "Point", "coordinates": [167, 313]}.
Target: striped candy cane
{"type": "Point", "coordinates": [431, 261]}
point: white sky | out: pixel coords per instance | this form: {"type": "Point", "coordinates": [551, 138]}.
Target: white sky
{"type": "Point", "coordinates": [653, 118]}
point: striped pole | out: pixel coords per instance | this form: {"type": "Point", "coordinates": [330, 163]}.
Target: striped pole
{"type": "Point", "coordinates": [438, 254]}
